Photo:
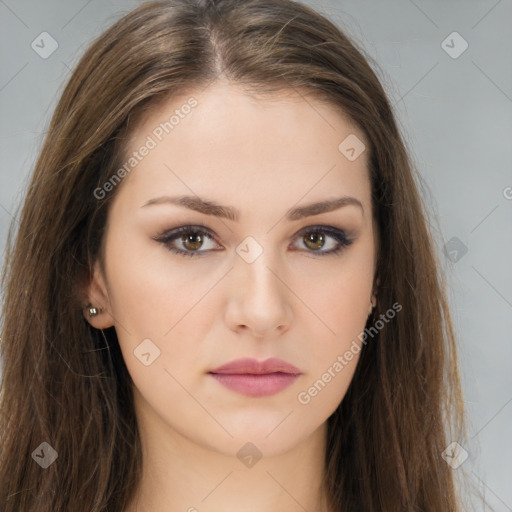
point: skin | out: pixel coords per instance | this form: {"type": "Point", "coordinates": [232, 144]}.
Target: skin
{"type": "Point", "coordinates": [262, 157]}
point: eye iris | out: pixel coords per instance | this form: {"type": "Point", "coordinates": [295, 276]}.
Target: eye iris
{"type": "Point", "coordinates": [315, 238]}
{"type": "Point", "coordinates": [195, 239]}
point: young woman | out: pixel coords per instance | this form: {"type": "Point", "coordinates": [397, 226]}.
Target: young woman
{"type": "Point", "coordinates": [223, 293]}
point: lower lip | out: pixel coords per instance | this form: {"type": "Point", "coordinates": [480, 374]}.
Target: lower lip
{"type": "Point", "coordinates": [255, 385]}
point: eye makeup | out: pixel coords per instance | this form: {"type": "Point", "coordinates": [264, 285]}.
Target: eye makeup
{"type": "Point", "coordinates": [175, 240]}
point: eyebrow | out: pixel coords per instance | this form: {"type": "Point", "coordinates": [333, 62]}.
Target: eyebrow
{"type": "Point", "coordinates": [228, 212]}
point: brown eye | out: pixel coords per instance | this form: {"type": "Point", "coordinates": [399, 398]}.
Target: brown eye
{"type": "Point", "coordinates": [314, 241]}
{"type": "Point", "coordinates": [189, 240]}
{"type": "Point", "coordinates": [192, 242]}
{"type": "Point", "coordinates": [324, 240]}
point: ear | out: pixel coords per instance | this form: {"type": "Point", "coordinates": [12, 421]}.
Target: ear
{"type": "Point", "coordinates": [375, 291]}
{"type": "Point", "coordinates": [96, 295]}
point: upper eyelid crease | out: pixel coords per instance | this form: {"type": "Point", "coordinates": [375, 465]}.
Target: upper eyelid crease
{"type": "Point", "coordinates": [336, 233]}
{"type": "Point", "coordinates": [203, 228]}
{"type": "Point", "coordinates": [228, 212]}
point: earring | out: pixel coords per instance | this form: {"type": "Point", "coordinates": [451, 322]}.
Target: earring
{"type": "Point", "coordinates": [93, 311]}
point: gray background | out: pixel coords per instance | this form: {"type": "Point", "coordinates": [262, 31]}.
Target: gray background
{"type": "Point", "coordinates": [456, 116]}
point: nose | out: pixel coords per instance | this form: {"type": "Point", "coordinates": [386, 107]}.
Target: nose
{"type": "Point", "coordinates": [259, 298]}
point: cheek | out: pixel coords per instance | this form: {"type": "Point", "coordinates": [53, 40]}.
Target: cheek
{"type": "Point", "coordinates": [159, 309]}
{"type": "Point", "coordinates": [151, 290]}
{"type": "Point", "coordinates": [341, 306]}
{"type": "Point", "coordinates": [333, 356]}
{"type": "Point", "coordinates": [339, 294]}
{"type": "Point", "coordinates": [324, 390]}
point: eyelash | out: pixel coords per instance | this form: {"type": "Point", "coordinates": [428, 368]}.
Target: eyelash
{"type": "Point", "coordinates": [201, 229]}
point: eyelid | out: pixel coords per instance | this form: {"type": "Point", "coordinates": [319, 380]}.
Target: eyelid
{"type": "Point", "coordinates": [198, 226]}
{"type": "Point", "coordinates": [339, 234]}
{"type": "Point", "coordinates": [170, 235]}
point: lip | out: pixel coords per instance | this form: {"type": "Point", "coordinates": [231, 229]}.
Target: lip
{"type": "Point", "coordinates": [255, 378]}
{"type": "Point", "coordinates": [255, 367]}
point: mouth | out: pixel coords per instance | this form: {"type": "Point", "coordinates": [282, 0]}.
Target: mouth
{"type": "Point", "coordinates": [253, 378]}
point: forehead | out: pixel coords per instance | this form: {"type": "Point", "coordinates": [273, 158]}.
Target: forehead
{"type": "Point", "coordinates": [286, 144]}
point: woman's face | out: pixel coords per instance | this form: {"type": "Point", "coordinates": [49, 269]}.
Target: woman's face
{"type": "Point", "coordinates": [250, 277]}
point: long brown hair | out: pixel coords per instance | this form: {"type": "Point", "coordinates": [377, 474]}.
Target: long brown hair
{"type": "Point", "coordinates": [65, 385]}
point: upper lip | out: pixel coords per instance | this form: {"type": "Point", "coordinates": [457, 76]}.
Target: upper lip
{"type": "Point", "coordinates": [255, 367]}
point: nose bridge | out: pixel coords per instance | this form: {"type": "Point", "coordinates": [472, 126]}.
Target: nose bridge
{"type": "Point", "coordinates": [259, 277]}
{"type": "Point", "coordinates": [261, 296]}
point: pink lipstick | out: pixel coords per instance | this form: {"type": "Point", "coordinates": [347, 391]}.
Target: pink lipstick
{"type": "Point", "coordinates": [255, 378]}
